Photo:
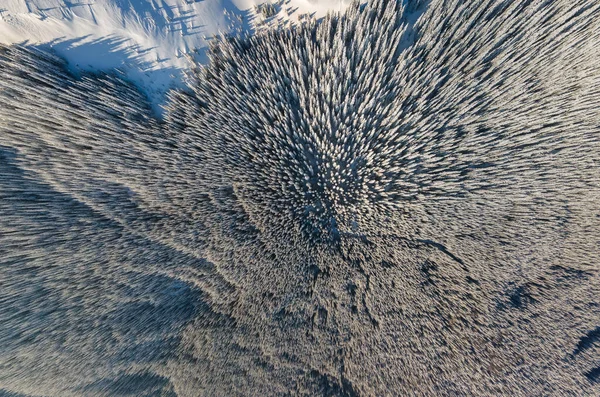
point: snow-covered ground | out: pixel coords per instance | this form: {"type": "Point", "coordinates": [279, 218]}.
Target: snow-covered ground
{"type": "Point", "coordinates": [149, 41]}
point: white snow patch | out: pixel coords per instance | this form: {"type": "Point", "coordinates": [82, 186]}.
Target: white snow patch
{"type": "Point", "coordinates": [151, 42]}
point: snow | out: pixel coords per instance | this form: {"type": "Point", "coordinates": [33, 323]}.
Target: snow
{"type": "Point", "coordinates": [151, 42]}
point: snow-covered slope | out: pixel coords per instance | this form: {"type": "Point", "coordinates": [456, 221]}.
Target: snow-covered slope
{"type": "Point", "coordinates": [150, 41]}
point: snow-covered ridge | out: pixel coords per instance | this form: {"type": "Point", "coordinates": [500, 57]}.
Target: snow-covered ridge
{"type": "Point", "coordinates": [151, 42]}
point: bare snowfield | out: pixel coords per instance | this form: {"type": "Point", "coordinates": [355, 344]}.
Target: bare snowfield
{"type": "Point", "coordinates": [151, 42]}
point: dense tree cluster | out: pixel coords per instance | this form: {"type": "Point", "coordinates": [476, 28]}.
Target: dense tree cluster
{"type": "Point", "coordinates": [401, 200]}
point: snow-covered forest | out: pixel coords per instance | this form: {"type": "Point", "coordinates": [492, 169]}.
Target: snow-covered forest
{"type": "Point", "coordinates": [398, 198]}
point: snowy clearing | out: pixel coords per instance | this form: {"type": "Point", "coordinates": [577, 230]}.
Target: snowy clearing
{"type": "Point", "coordinates": [151, 42]}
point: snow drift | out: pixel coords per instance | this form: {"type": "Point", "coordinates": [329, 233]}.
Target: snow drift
{"type": "Point", "coordinates": [400, 200]}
